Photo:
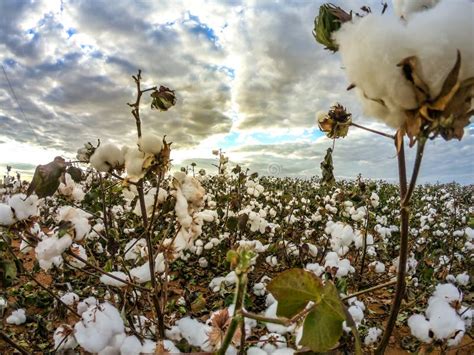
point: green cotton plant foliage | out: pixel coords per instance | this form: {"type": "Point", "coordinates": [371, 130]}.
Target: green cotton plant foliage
{"type": "Point", "coordinates": [322, 327]}
{"type": "Point", "coordinates": [294, 289]}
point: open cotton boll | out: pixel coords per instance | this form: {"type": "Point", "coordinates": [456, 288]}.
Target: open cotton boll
{"type": "Point", "coordinates": [86, 303]}
{"type": "Point", "coordinates": [50, 248]}
{"type": "Point", "coordinates": [446, 292]}
{"type": "Point", "coordinates": [372, 335]}
{"type": "Point", "coordinates": [69, 298]}
{"type": "Point", "coordinates": [17, 317]}
{"type": "Point", "coordinates": [444, 321]}
{"type": "Point", "coordinates": [23, 207]}
{"type": "Point", "coordinates": [372, 46]}
{"type": "Point", "coordinates": [64, 338]}
{"type": "Point", "coordinates": [106, 157]}
{"type": "Point", "coordinates": [134, 161]}
{"type": "Point", "coordinates": [78, 250]}
{"type": "Point", "coordinates": [7, 218]}
{"type": "Point", "coordinates": [131, 346]}
{"type": "Point", "coordinates": [420, 328]}
{"type": "Point", "coordinates": [150, 143]}
{"type": "Point", "coordinates": [97, 327]}
{"type": "Point", "coordinates": [271, 341]}
{"type": "Point", "coordinates": [195, 332]}
{"type": "Point", "coordinates": [107, 280]}
{"type": "Point", "coordinates": [463, 279]}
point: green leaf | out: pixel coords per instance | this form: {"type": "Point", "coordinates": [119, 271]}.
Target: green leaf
{"type": "Point", "coordinates": [232, 223]}
{"type": "Point", "coordinates": [293, 289]}
{"type": "Point", "coordinates": [322, 327]}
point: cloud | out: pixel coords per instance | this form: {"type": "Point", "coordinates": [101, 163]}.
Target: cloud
{"type": "Point", "coordinates": [249, 77]}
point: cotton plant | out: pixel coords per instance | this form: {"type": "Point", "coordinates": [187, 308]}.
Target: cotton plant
{"type": "Point", "coordinates": [409, 76]}
{"type": "Point", "coordinates": [445, 320]}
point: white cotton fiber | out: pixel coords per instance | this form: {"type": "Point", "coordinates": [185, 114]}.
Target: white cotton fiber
{"type": "Point", "coordinates": [106, 157]}
{"type": "Point", "coordinates": [107, 280]}
{"type": "Point", "coordinates": [7, 218]}
{"type": "Point", "coordinates": [372, 46]}
{"type": "Point", "coordinates": [98, 326]}
{"type": "Point", "coordinates": [420, 327]}
{"type": "Point", "coordinates": [150, 143]}
{"type": "Point", "coordinates": [23, 207]}
{"type": "Point", "coordinates": [17, 317]}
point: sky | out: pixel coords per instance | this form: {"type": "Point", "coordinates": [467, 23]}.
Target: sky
{"type": "Point", "coordinates": [249, 79]}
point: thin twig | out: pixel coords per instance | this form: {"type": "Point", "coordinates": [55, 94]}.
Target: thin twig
{"type": "Point", "coordinates": [373, 130]}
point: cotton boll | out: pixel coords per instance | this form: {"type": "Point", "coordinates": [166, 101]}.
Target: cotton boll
{"type": "Point", "coordinates": [372, 46]}
{"type": "Point", "coordinates": [64, 338]}
{"type": "Point", "coordinates": [131, 346]}
{"type": "Point", "coordinates": [150, 143]}
{"type": "Point", "coordinates": [463, 279]}
{"type": "Point", "coordinates": [107, 280]}
{"type": "Point", "coordinates": [84, 305]}
{"type": "Point", "coordinates": [69, 298]}
{"type": "Point", "coordinates": [170, 347]}
{"type": "Point", "coordinates": [444, 321]}
{"type": "Point", "coordinates": [420, 328]}
{"type": "Point", "coordinates": [447, 292]}
{"type": "Point", "coordinates": [7, 217]}
{"type": "Point", "coordinates": [195, 332]}
{"type": "Point", "coordinates": [106, 157]}
{"type": "Point", "coordinates": [23, 207]}
{"type": "Point", "coordinates": [17, 317]}
{"type": "Point", "coordinates": [78, 250]}
{"type": "Point", "coordinates": [271, 341]}
{"type": "Point", "coordinates": [372, 336]}
{"type": "Point", "coordinates": [98, 326]}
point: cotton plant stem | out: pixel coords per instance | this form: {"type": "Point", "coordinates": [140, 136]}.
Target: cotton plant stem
{"type": "Point", "coordinates": [141, 199]}
{"type": "Point", "coordinates": [364, 244]}
{"type": "Point", "coordinates": [420, 148]}
{"type": "Point", "coordinates": [373, 130]}
{"type": "Point", "coordinates": [403, 255]}
{"type": "Point", "coordinates": [280, 320]}
{"type": "Point", "coordinates": [238, 316]}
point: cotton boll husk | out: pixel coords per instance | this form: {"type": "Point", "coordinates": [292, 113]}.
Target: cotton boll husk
{"type": "Point", "coordinates": [372, 46]}
{"type": "Point", "coordinates": [150, 143]}
{"type": "Point", "coordinates": [420, 327]}
{"type": "Point", "coordinates": [7, 218]}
